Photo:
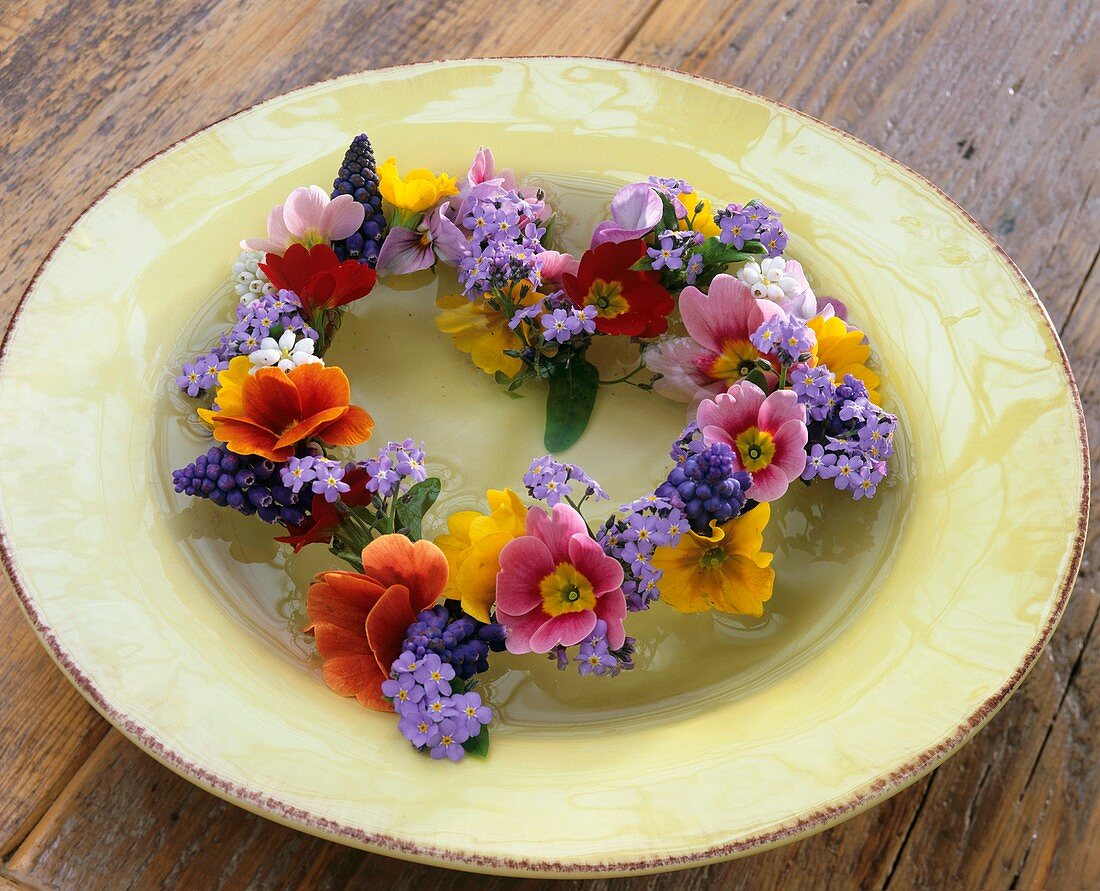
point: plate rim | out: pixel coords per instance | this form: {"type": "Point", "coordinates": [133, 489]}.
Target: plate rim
{"type": "Point", "coordinates": [807, 824]}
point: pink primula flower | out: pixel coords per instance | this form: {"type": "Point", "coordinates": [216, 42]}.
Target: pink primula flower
{"type": "Point", "coordinates": [718, 352]}
{"type": "Point", "coordinates": [555, 582]}
{"type": "Point", "coordinates": [308, 217]}
{"type": "Point", "coordinates": [767, 434]}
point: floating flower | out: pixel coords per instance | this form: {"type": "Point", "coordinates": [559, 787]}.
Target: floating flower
{"type": "Point", "coordinates": [726, 570]}
{"type": "Point", "coordinates": [288, 352]}
{"type": "Point", "coordinates": [410, 250]}
{"type": "Point", "coordinates": [358, 620]}
{"type": "Point", "coordinates": [719, 351]}
{"type": "Point", "coordinates": [416, 191]}
{"type": "Point", "coordinates": [318, 277]}
{"type": "Point", "coordinates": [636, 210]}
{"type": "Point", "coordinates": [843, 350]}
{"type": "Point", "coordinates": [308, 217]}
{"type": "Point", "coordinates": [768, 435]}
{"type": "Point", "coordinates": [627, 301]}
{"type": "Point", "coordinates": [278, 410]}
{"type": "Point", "coordinates": [483, 332]}
{"type": "Point", "coordinates": [555, 582]}
{"type": "Point", "coordinates": [473, 544]}
{"type": "Point", "coordinates": [703, 221]}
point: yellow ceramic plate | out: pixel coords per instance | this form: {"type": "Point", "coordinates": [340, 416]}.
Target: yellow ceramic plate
{"type": "Point", "coordinates": [897, 627]}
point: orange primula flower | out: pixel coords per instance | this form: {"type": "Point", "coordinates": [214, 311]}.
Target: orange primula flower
{"type": "Point", "coordinates": [359, 620]}
{"type": "Point", "coordinates": [277, 410]}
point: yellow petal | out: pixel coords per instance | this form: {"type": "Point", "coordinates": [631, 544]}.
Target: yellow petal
{"type": "Point", "coordinates": [843, 352]}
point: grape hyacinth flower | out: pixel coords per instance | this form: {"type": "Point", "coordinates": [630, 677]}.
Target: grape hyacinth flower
{"type": "Point", "coordinates": [707, 487]}
{"type": "Point", "coordinates": [247, 483]}
{"type": "Point", "coordinates": [358, 177]}
{"type": "Point", "coordinates": [461, 642]}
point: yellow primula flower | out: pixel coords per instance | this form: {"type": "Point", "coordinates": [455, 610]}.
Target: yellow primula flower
{"type": "Point", "coordinates": [843, 351]}
{"type": "Point", "coordinates": [704, 220]}
{"type": "Point", "coordinates": [726, 570]}
{"type": "Point", "coordinates": [415, 192]}
{"type": "Point", "coordinates": [473, 545]}
{"type": "Point", "coordinates": [482, 332]}
{"type": "Point", "coordinates": [230, 387]}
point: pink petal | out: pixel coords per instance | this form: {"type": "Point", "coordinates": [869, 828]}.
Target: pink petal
{"type": "Point", "coordinates": [722, 315]}
{"type": "Point", "coordinates": [790, 448]}
{"type": "Point", "coordinates": [556, 529]}
{"type": "Point", "coordinates": [604, 573]}
{"type": "Point", "coordinates": [303, 210]}
{"type": "Point", "coordinates": [712, 435]}
{"type": "Point", "coordinates": [678, 361]}
{"type": "Point", "coordinates": [276, 227]}
{"type": "Point", "coordinates": [733, 411]}
{"type": "Point", "coordinates": [608, 231]}
{"type": "Point", "coordinates": [520, 628]}
{"type": "Point", "coordinates": [838, 307]}
{"type": "Point", "coordinates": [778, 408]}
{"type": "Point", "coordinates": [769, 484]}
{"type": "Point", "coordinates": [566, 629]}
{"type": "Point", "coordinates": [612, 609]}
{"type": "Point", "coordinates": [524, 563]}
{"type": "Point", "coordinates": [482, 167]}
{"type": "Point", "coordinates": [342, 217]}
{"type": "Point", "coordinates": [404, 251]}
{"type": "Point", "coordinates": [553, 265]}
{"type": "Point", "coordinates": [263, 244]}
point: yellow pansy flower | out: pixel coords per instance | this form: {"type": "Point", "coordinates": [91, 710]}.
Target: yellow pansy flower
{"type": "Point", "coordinates": [843, 351]}
{"type": "Point", "coordinates": [415, 192]}
{"type": "Point", "coordinates": [473, 545]}
{"type": "Point", "coordinates": [726, 570]}
{"type": "Point", "coordinates": [482, 332]}
{"type": "Point", "coordinates": [704, 220]}
{"type": "Point", "coordinates": [230, 387]}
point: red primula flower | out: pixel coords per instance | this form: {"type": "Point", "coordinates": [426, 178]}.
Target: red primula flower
{"type": "Point", "coordinates": [318, 277]}
{"type": "Point", "coordinates": [323, 517]}
{"type": "Point", "coordinates": [628, 301]}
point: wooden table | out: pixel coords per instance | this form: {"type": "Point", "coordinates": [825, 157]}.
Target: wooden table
{"type": "Point", "coordinates": [996, 102]}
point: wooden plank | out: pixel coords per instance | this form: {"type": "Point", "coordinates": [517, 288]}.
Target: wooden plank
{"type": "Point", "coordinates": [46, 728]}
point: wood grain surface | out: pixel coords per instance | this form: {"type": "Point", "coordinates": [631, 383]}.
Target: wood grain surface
{"type": "Point", "coordinates": [996, 102]}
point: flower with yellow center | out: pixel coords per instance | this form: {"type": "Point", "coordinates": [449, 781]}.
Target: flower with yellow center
{"type": "Point", "coordinates": [228, 396]}
{"type": "Point", "coordinates": [472, 547]}
{"type": "Point", "coordinates": [737, 359]}
{"type": "Point", "coordinates": [756, 449]}
{"type": "Point", "coordinates": [565, 590]}
{"type": "Point", "coordinates": [843, 351]}
{"type": "Point", "coordinates": [482, 332]}
{"type": "Point", "coordinates": [702, 222]}
{"type": "Point", "coordinates": [608, 299]}
{"type": "Point", "coordinates": [415, 192]}
{"type": "Point", "coordinates": [726, 570]}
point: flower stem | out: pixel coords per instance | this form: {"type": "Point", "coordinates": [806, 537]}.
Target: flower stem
{"type": "Point", "coordinates": [626, 377]}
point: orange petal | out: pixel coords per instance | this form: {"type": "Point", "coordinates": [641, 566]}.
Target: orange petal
{"type": "Point", "coordinates": [244, 437]}
{"type": "Point", "coordinates": [332, 641]}
{"type": "Point", "coordinates": [354, 427]}
{"type": "Point", "coordinates": [343, 599]}
{"type": "Point", "coordinates": [387, 624]}
{"type": "Point", "coordinates": [421, 567]}
{"type": "Point", "coordinates": [270, 399]}
{"type": "Point", "coordinates": [309, 426]}
{"type": "Point", "coordinates": [319, 387]}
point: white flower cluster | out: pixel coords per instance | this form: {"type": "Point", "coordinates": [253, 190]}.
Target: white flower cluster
{"type": "Point", "coordinates": [249, 280]}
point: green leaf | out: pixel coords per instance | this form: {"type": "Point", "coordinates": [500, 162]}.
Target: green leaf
{"type": "Point", "coordinates": [754, 247]}
{"type": "Point", "coordinates": [756, 376]}
{"type": "Point", "coordinates": [412, 506]}
{"type": "Point", "coordinates": [343, 552]}
{"type": "Point", "coordinates": [569, 403]}
{"type": "Point", "coordinates": [478, 746]}
{"type": "Point", "coordinates": [668, 214]}
{"type": "Point", "coordinates": [501, 378]}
